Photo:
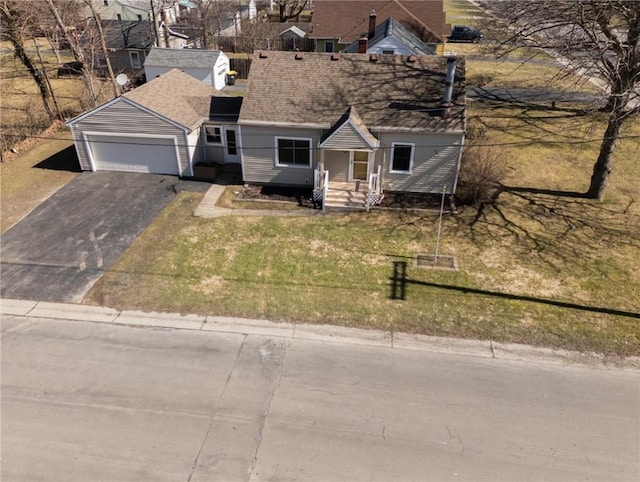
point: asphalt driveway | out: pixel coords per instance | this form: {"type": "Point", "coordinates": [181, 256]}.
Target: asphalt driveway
{"type": "Point", "coordinates": [66, 244]}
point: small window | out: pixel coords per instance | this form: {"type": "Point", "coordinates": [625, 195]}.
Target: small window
{"type": "Point", "coordinates": [388, 52]}
{"type": "Point", "coordinates": [328, 47]}
{"type": "Point", "coordinates": [118, 16]}
{"type": "Point", "coordinates": [134, 57]}
{"type": "Point", "coordinates": [293, 152]}
{"type": "Point", "coordinates": [139, 17]}
{"type": "Point", "coordinates": [105, 3]}
{"type": "Point", "coordinates": [402, 158]}
{"type": "Point", "coordinates": [213, 134]}
{"type": "Point", "coordinates": [232, 148]}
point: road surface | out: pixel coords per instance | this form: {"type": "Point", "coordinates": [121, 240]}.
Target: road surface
{"type": "Point", "coordinates": [99, 401]}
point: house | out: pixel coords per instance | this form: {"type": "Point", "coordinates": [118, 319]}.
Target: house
{"type": "Point", "coordinates": [137, 10]}
{"type": "Point", "coordinates": [208, 66]}
{"type": "Point", "coordinates": [128, 42]}
{"type": "Point", "coordinates": [339, 23]}
{"type": "Point", "coordinates": [390, 37]}
{"type": "Point", "coordinates": [155, 128]}
{"type": "Point", "coordinates": [372, 123]}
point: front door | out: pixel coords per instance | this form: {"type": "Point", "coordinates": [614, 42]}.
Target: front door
{"type": "Point", "coordinates": [231, 144]}
{"type": "Point", "coordinates": [359, 166]}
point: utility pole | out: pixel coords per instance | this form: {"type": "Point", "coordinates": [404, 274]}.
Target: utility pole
{"type": "Point", "coordinates": [46, 78]}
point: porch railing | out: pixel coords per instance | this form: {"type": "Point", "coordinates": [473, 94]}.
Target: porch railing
{"type": "Point", "coordinates": [320, 186]}
{"type": "Point", "coordinates": [374, 193]}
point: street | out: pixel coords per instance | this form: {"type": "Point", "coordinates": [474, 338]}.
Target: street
{"type": "Point", "coordinates": [116, 402]}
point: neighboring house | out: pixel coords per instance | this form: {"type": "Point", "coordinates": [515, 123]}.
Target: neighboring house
{"type": "Point", "coordinates": [209, 66]}
{"type": "Point", "coordinates": [155, 128]}
{"type": "Point", "coordinates": [390, 37]}
{"type": "Point", "coordinates": [393, 123]}
{"type": "Point", "coordinates": [137, 10]}
{"type": "Point", "coordinates": [339, 23]}
{"type": "Point", "coordinates": [128, 42]}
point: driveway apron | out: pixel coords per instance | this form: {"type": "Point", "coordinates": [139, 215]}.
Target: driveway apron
{"type": "Point", "coordinates": [59, 250]}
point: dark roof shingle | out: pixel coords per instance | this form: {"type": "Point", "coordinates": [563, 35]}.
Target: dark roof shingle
{"type": "Point", "coordinates": [390, 93]}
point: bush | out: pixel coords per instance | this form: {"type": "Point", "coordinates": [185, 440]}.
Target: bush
{"type": "Point", "coordinates": [482, 171]}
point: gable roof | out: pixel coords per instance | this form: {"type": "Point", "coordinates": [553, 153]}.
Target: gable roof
{"type": "Point", "coordinates": [346, 20]}
{"type": "Point", "coordinates": [350, 123]}
{"type": "Point", "coordinates": [127, 34]}
{"type": "Point", "coordinates": [392, 93]}
{"type": "Point", "coordinates": [187, 105]}
{"type": "Point", "coordinates": [182, 58]}
{"type": "Point", "coordinates": [392, 28]}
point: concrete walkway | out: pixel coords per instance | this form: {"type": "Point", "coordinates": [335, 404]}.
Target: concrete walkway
{"type": "Point", "coordinates": [10, 308]}
{"type": "Point", "coordinates": [208, 208]}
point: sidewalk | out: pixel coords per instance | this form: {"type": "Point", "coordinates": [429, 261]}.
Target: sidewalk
{"type": "Point", "coordinates": [322, 333]}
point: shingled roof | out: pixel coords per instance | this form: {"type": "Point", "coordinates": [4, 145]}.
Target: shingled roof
{"type": "Point", "coordinates": [176, 96]}
{"type": "Point", "coordinates": [182, 58]}
{"type": "Point", "coordinates": [394, 92]}
{"type": "Point", "coordinates": [346, 20]}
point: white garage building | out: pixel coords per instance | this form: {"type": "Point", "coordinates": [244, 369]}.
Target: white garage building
{"type": "Point", "coordinates": [152, 129]}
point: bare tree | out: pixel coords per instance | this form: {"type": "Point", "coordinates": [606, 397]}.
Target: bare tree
{"type": "Point", "coordinates": [601, 38]}
{"type": "Point", "coordinates": [18, 22]}
{"type": "Point", "coordinates": [71, 35]}
{"type": "Point", "coordinates": [103, 46]}
{"type": "Point", "coordinates": [290, 8]}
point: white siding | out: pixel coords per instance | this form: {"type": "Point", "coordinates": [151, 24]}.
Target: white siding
{"type": "Point", "coordinates": [389, 43]}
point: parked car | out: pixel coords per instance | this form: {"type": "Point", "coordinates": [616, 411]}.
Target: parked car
{"type": "Point", "coordinates": [462, 33]}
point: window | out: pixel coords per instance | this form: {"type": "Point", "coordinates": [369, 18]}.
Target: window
{"type": "Point", "coordinates": [328, 46]}
{"type": "Point", "coordinates": [139, 17]}
{"type": "Point", "coordinates": [118, 16]}
{"type": "Point", "coordinates": [213, 134]}
{"type": "Point", "coordinates": [105, 3]}
{"type": "Point", "coordinates": [293, 152]}
{"type": "Point", "coordinates": [388, 52]}
{"type": "Point", "coordinates": [402, 158]}
{"type": "Point", "coordinates": [231, 142]}
{"type": "Point", "coordinates": [134, 57]}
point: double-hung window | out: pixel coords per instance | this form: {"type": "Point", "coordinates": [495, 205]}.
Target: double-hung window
{"type": "Point", "coordinates": [213, 134]}
{"type": "Point", "coordinates": [402, 158]}
{"type": "Point", "coordinates": [134, 57]}
{"type": "Point", "coordinates": [293, 152]}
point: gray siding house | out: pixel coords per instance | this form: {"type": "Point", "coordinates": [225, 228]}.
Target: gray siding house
{"type": "Point", "coordinates": [354, 122]}
{"type": "Point", "coordinates": [155, 128]}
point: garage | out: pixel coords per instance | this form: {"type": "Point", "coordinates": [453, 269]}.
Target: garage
{"type": "Point", "coordinates": [153, 155]}
{"type": "Point", "coordinates": [154, 128]}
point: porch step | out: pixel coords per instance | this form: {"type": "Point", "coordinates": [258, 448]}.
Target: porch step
{"type": "Point", "coordinates": [345, 199]}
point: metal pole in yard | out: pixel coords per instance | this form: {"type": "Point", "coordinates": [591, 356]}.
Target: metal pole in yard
{"type": "Point", "coordinates": [444, 189]}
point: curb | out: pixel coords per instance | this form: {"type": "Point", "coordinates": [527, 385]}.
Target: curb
{"type": "Point", "coordinates": [318, 333]}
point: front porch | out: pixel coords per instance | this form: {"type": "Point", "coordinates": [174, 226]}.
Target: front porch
{"type": "Point", "coordinates": [356, 194]}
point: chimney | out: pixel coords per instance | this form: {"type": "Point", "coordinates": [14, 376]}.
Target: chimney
{"type": "Point", "coordinates": [362, 44]}
{"type": "Point", "coordinates": [372, 23]}
{"type": "Point", "coordinates": [448, 86]}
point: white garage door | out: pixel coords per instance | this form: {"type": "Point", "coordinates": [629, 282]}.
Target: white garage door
{"type": "Point", "coordinates": [134, 154]}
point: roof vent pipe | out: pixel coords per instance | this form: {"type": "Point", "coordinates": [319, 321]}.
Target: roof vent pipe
{"type": "Point", "coordinates": [448, 80]}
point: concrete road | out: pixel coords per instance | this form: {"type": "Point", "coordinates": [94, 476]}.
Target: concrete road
{"type": "Point", "coordinates": [104, 402]}
{"type": "Point", "coordinates": [59, 250]}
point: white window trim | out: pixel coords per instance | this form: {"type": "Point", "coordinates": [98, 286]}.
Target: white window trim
{"type": "Point", "coordinates": [139, 60]}
{"type": "Point", "coordinates": [213, 143]}
{"type": "Point", "coordinates": [295, 166]}
{"type": "Point", "coordinates": [393, 147]}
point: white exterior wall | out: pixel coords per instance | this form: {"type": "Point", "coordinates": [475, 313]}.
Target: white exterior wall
{"type": "Point", "coordinates": [389, 43]}
{"type": "Point", "coordinates": [204, 75]}
{"type": "Point", "coordinates": [220, 71]}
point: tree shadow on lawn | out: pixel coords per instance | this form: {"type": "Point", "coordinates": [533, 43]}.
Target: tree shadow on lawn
{"type": "Point", "coordinates": [64, 160]}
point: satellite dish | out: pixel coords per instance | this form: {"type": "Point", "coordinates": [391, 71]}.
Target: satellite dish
{"type": "Point", "coordinates": [122, 79]}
